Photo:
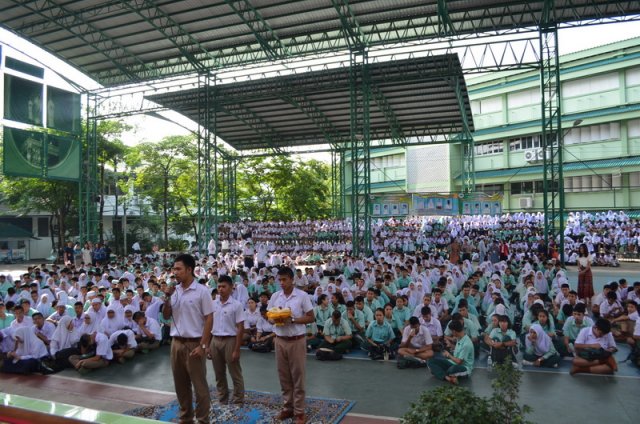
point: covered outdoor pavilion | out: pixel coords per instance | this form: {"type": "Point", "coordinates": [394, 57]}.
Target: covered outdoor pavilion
{"type": "Point", "coordinates": [137, 43]}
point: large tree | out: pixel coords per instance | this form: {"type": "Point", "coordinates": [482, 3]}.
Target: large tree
{"type": "Point", "coordinates": [167, 177]}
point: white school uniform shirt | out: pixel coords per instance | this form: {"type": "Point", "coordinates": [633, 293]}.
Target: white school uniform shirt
{"type": "Point", "coordinates": [189, 309]}
{"type": "Point", "coordinates": [434, 326]}
{"type": "Point", "coordinates": [299, 303]}
{"type": "Point", "coordinates": [103, 347]}
{"type": "Point", "coordinates": [131, 338]}
{"type": "Point", "coordinates": [420, 340]}
{"type": "Point", "coordinates": [225, 317]}
{"type": "Point", "coordinates": [586, 336]}
{"type": "Point", "coordinates": [153, 326]}
{"type": "Point", "coordinates": [635, 317]}
{"type": "Point", "coordinates": [251, 318]}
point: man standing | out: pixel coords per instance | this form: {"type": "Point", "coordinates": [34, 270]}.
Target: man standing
{"type": "Point", "coordinates": [191, 307]}
{"type": "Point", "coordinates": [291, 346]}
{"type": "Point", "coordinates": [228, 331]}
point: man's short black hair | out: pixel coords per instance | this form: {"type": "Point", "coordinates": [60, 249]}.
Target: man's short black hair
{"type": "Point", "coordinates": [426, 310]}
{"type": "Point", "coordinates": [603, 325]}
{"type": "Point", "coordinates": [285, 271]}
{"type": "Point", "coordinates": [414, 321]}
{"type": "Point", "coordinates": [336, 314]}
{"type": "Point", "coordinates": [456, 326]}
{"type": "Point", "coordinates": [225, 279]}
{"type": "Point", "coordinates": [188, 260]}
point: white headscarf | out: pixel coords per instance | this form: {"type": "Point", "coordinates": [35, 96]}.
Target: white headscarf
{"type": "Point", "coordinates": [90, 328]}
{"type": "Point", "coordinates": [108, 325]}
{"type": "Point", "coordinates": [30, 344]}
{"type": "Point", "coordinates": [540, 283]}
{"type": "Point", "coordinates": [64, 338]}
{"type": "Point", "coordinates": [44, 306]}
{"type": "Point", "coordinates": [542, 343]}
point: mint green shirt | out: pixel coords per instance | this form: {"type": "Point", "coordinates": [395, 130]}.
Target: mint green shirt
{"type": "Point", "coordinates": [380, 333]}
{"type": "Point", "coordinates": [464, 350]}
{"type": "Point", "coordinates": [334, 331]}
{"type": "Point", "coordinates": [322, 315]}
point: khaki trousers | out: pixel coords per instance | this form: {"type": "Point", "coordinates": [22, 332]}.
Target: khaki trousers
{"type": "Point", "coordinates": [221, 354]}
{"type": "Point", "coordinates": [188, 371]}
{"type": "Point", "coordinates": [291, 357]}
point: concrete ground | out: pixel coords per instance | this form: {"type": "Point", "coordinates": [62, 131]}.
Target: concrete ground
{"type": "Point", "coordinates": [378, 388]}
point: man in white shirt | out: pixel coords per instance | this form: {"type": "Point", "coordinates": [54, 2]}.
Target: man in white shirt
{"type": "Point", "coordinates": [416, 341]}
{"type": "Point", "coordinates": [228, 331]}
{"type": "Point", "coordinates": [598, 342]}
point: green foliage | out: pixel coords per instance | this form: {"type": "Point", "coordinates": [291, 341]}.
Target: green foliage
{"type": "Point", "coordinates": [506, 387]}
{"type": "Point", "coordinates": [448, 405]}
{"type": "Point", "coordinates": [177, 245]}
{"type": "Point", "coordinates": [282, 188]}
{"type": "Point", "coordinates": [452, 404]}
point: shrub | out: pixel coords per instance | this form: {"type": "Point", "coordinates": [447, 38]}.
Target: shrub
{"type": "Point", "coordinates": [453, 405]}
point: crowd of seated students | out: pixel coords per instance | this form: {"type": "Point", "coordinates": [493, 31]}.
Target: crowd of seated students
{"type": "Point", "coordinates": [435, 292]}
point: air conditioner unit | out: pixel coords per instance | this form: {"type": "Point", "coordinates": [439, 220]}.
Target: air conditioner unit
{"type": "Point", "coordinates": [526, 202]}
{"type": "Point", "coordinates": [531, 155]}
{"type": "Point", "coordinates": [540, 153]}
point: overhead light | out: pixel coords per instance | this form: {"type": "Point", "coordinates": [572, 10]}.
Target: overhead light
{"type": "Point", "coordinates": [576, 122]}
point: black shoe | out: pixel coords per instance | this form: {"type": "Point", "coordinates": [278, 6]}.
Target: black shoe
{"type": "Point", "coordinates": [45, 370]}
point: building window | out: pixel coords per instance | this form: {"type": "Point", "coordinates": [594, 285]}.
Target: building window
{"type": "Point", "coordinates": [584, 86]}
{"type": "Point", "coordinates": [633, 76]}
{"type": "Point", "coordinates": [528, 187]}
{"type": "Point", "coordinates": [633, 128]}
{"type": "Point", "coordinates": [43, 227]}
{"type": "Point", "coordinates": [490, 188]}
{"type": "Point", "coordinates": [488, 148]}
{"type": "Point", "coordinates": [523, 98]}
{"type": "Point", "coordinates": [593, 182]}
{"type": "Point", "coordinates": [592, 133]}
{"type": "Point", "coordinates": [489, 105]}
{"type": "Point", "coordinates": [524, 143]}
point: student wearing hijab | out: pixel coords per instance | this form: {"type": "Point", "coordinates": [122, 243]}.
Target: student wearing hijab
{"type": "Point", "coordinates": [64, 342]}
{"type": "Point", "coordinates": [44, 306]}
{"type": "Point", "coordinates": [539, 350]}
{"type": "Point", "coordinates": [112, 322]}
{"type": "Point", "coordinates": [27, 356]}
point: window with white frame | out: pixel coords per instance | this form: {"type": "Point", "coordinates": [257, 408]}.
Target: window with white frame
{"type": "Point", "coordinates": [488, 105]}
{"type": "Point", "coordinates": [596, 84]}
{"type": "Point", "coordinates": [523, 98]}
{"type": "Point", "coordinates": [633, 128]}
{"type": "Point", "coordinates": [591, 133]}
{"type": "Point", "coordinates": [491, 148]}
{"type": "Point", "coordinates": [525, 143]}
{"type": "Point", "coordinates": [633, 76]}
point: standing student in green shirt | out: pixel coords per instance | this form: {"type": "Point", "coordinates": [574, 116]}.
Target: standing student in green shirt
{"type": "Point", "coordinates": [456, 364]}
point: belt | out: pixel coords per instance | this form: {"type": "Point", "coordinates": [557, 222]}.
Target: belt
{"type": "Point", "coordinates": [186, 339]}
{"type": "Point", "coordinates": [292, 338]}
{"type": "Point", "coordinates": [223, 337]}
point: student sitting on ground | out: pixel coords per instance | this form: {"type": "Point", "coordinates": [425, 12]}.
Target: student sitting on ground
{"type": "Point", "coordinates": [572, 327]}
{"type": "Point", "coordinates": [416, 342]}
{"type": "Point", "coordinates": [263, 340]}
{"type": "Point", "coordinates": [28, 354]}
{"type": "Point", "coordinates": [456, 364]}
{"type": "Point", "coordinates": [123, 344]}
{"type": "Point", "coordinates": [64, 343]}
{"type": "Point", "coordinates": [433, 325]}
{"type": "Point", "coordinates": [148, 332]}
{"type": "Point", "coordinates": [337, 334]}
{"type": "Point", "coordinates": [379, 336]}
{"type": "Point", "coordinates": [95, 352]}
{"type": "Point", "coordinates": [502, 342]}
{"type": "Point", "coordinates": [594, 350]}
{"type": "Point", "coordinates": [539, 349]}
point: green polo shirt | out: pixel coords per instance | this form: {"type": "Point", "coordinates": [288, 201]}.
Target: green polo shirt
{"type": "Point", "coordinates": [498, 336]}
{"type": "Point", "coordinates": [400, 316]}
{"type": "Point", "coordinates": [360, 319]}
{"type": "Point", "coordinates": [322, 315]}
{"type": "Point", "coordinates": [6, 321]}
{"type": "Point", "coordinates": [334, 331]}
{"type": "Point", "coordinates": [379, 333]}
{"type": "Point", "coordinates": [403, 282]}
{"type": "Point", "coordinates": [464, 350]}
{"type": "Point", "coordinates": [571, 329]}
{"type": "Point", "coordinates": [367, 313]}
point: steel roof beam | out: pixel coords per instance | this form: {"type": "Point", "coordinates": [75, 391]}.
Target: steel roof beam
{"type": "Point", "coordinates": [92, 36]}
{"type": "Point", "coordinates": [172, 31]}
{"type": "Point", "coordinates": [301, 102]}
{"type": "Point", "coordinates": [264, 131]}
{"type": "Point", "coordinates": [356, 39]}
{"type": "Point", "coordinates": [389, 114]}
{"type": "Point", "coordinates": [265, 35]}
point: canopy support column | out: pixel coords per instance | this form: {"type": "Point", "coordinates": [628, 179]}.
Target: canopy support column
{"type": "Point", "coordinates": [551, 134]}
{"type": "Point", "coordinates": [360, 152]}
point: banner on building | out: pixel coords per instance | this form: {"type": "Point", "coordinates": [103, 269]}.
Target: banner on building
{"type": "Point", "coordinates": [390, 205]}
{"type": "Point", "coordinates": [436, 204]}
{"type": "Point", "coordinates": [481, 204]}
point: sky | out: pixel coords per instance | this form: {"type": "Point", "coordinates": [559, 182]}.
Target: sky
{"type": "Point", "coordinates": [152, 129]}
